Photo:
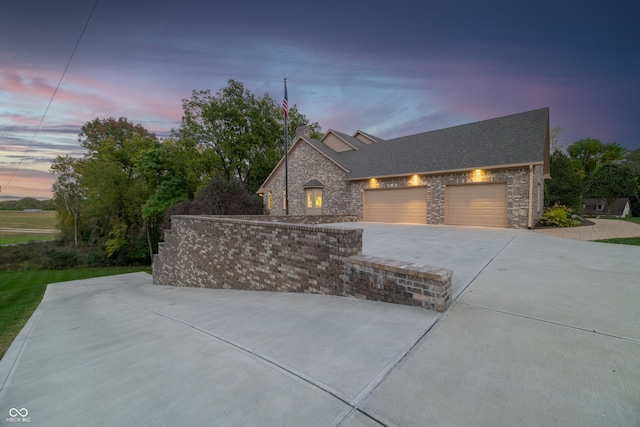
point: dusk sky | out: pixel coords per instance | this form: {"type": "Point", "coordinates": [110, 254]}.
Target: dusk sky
{"type": "Point", "coordinates": [388, 68]}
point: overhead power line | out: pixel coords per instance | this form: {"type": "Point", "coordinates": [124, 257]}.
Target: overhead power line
{"type": "Point", "coordinates": [64, 72]}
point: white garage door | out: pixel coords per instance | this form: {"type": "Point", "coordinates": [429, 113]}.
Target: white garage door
{"type": "Point", "coordinates": [405, 205]}
{"type": "Point", "coordinates": [476, 204]}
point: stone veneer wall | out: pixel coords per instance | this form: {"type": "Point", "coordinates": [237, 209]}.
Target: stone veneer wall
{"type": "Point", "coordinates": [517, 193]}
{"type": "Point", "coordinates": [538, 192]}
{"type": "Point", "coordinates": [342, 197]}
{"type": "Point", "coordinates": [233, 253]}
{"type": "Point", "coordinates": [305, 164]}
{"type": "Point", "coordinates": [517, 180]}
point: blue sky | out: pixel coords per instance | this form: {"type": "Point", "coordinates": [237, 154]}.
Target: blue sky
{"type": "Point", "coordinates": [387, 68]}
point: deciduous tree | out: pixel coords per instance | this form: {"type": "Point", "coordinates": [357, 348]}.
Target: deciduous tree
{"type": "Point", "coordinates": [68, 193]}
{"type": "Point", "coordinates": [120, 190]}
{"type": "Point", "coordinates": [170, 173]}
{"type": "Point", "coordinates": [564, 187]}
{"type": "Point", "coordinates": [115, 191]}
{"type": "Point", "coordinates": [632, 160]}
{"type": "Point", "coordinates": [554, 136]}
{"type": "Point", "coordinates": [611, 180]}
{"type": "Point", "coordinates": [232, 129]}
{"type": "Point", "coordinates": [589, 153]}
{"type": "Point", "coordinates": [236, 133]}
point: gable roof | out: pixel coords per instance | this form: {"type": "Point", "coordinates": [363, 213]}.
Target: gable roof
{"type": "Point", "coordinates": [331, 154]}
{"type": "Point", "coordinates": [349, 141]}
{"type": "Point", "coordinates": [314, 183]}
{"type": "Point", "coordinates": [368, 136]}
{"type": "Point", "coordinates": [517, 139]}
{"type": "Point", "coordinates": [315, 144]}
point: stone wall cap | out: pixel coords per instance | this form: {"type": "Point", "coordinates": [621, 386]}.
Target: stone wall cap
{"type": "Point", "coordinates": [403, 267]}
{"type": "Point", "coordinates": [272, 224]}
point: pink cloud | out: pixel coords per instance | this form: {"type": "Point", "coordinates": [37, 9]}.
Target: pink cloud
{"type": "Point", "coordinates": [82, 97]}
{"type": "Point", "coordinates": [25, 182]}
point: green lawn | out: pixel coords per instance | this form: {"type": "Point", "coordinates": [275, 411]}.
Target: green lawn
{"type": "Point", "coordinates": [634, 241]}
{"type": "Point", "coordinates": [22, 291]}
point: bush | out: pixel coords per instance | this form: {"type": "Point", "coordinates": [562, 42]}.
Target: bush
{"type": "Point", "coordinates": [560, 216]}
{"type": "Point", "coordinates": [220, 197]}
{"type": "Point", "coordinates": [182, 208]}
{"type": "Point", "coordinates": [57, 259]}
{"type": "Point", "coordinates": [55, 255]}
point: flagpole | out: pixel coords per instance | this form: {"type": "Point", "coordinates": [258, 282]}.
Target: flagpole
{"type": "Point", "coordinates": [285, 110]}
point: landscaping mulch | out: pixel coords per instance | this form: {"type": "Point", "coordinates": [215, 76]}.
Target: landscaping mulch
{"type": "Point", "coordinates": [584, 223]}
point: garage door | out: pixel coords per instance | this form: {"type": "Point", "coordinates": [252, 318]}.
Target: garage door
{"type": "Point", "coordinates": [407, 205]}
{"type": "Point", "coordinates": [476, 204]}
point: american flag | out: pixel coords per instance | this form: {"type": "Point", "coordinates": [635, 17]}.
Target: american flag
{"type": "Point", "coordinates": [285, 102]}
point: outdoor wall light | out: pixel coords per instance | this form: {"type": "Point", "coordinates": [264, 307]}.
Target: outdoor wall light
{"type": "Point", "coordinates": [478, 175]}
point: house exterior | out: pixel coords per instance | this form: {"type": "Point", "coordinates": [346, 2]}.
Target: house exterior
{"type": "Point", "coordinates": [489, 173]}
{"type": "Point", "coordinates": [620, 208]}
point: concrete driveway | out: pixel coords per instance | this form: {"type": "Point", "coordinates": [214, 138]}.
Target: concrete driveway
{"type": "Point", "coordinates": [600, 230]}
{"type": "Point", "coordinates": [543, 331]}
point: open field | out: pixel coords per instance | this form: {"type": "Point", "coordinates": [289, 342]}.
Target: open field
{"type": "Point", "coordinates": [22, 227]}
{"type": "Point", "coordinates": [45, 220]}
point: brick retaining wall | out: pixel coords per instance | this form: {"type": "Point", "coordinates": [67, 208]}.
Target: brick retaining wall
{"type": "Point", "coordinates": [380, 279]}
{"type": "Point", "coordinates": [236, 253]}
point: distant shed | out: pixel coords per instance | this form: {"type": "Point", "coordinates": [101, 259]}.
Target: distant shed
{"type": "Point", "coordinates": [620, 208]}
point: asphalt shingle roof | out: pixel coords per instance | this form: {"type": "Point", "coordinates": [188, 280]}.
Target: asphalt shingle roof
{"type": "Point", "coordinates": [353, 141]}
{"type": "Point", "coordinates": [373, 137]}
{"type": "Point", "coordinates": [314, 183]}
{"type": "Point", "coordinates": [324, 149]}
{"type": "Point", "coordinates": [515, 139]}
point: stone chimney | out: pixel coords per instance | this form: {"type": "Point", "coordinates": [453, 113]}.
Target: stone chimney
{"type": "Point", "coordinates": [303, 130]}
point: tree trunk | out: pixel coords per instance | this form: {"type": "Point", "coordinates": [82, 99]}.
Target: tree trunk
{"type": "Point", "coordinates": [75, 228]}
{"type": "Point", "coordinates": [147, 227]}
